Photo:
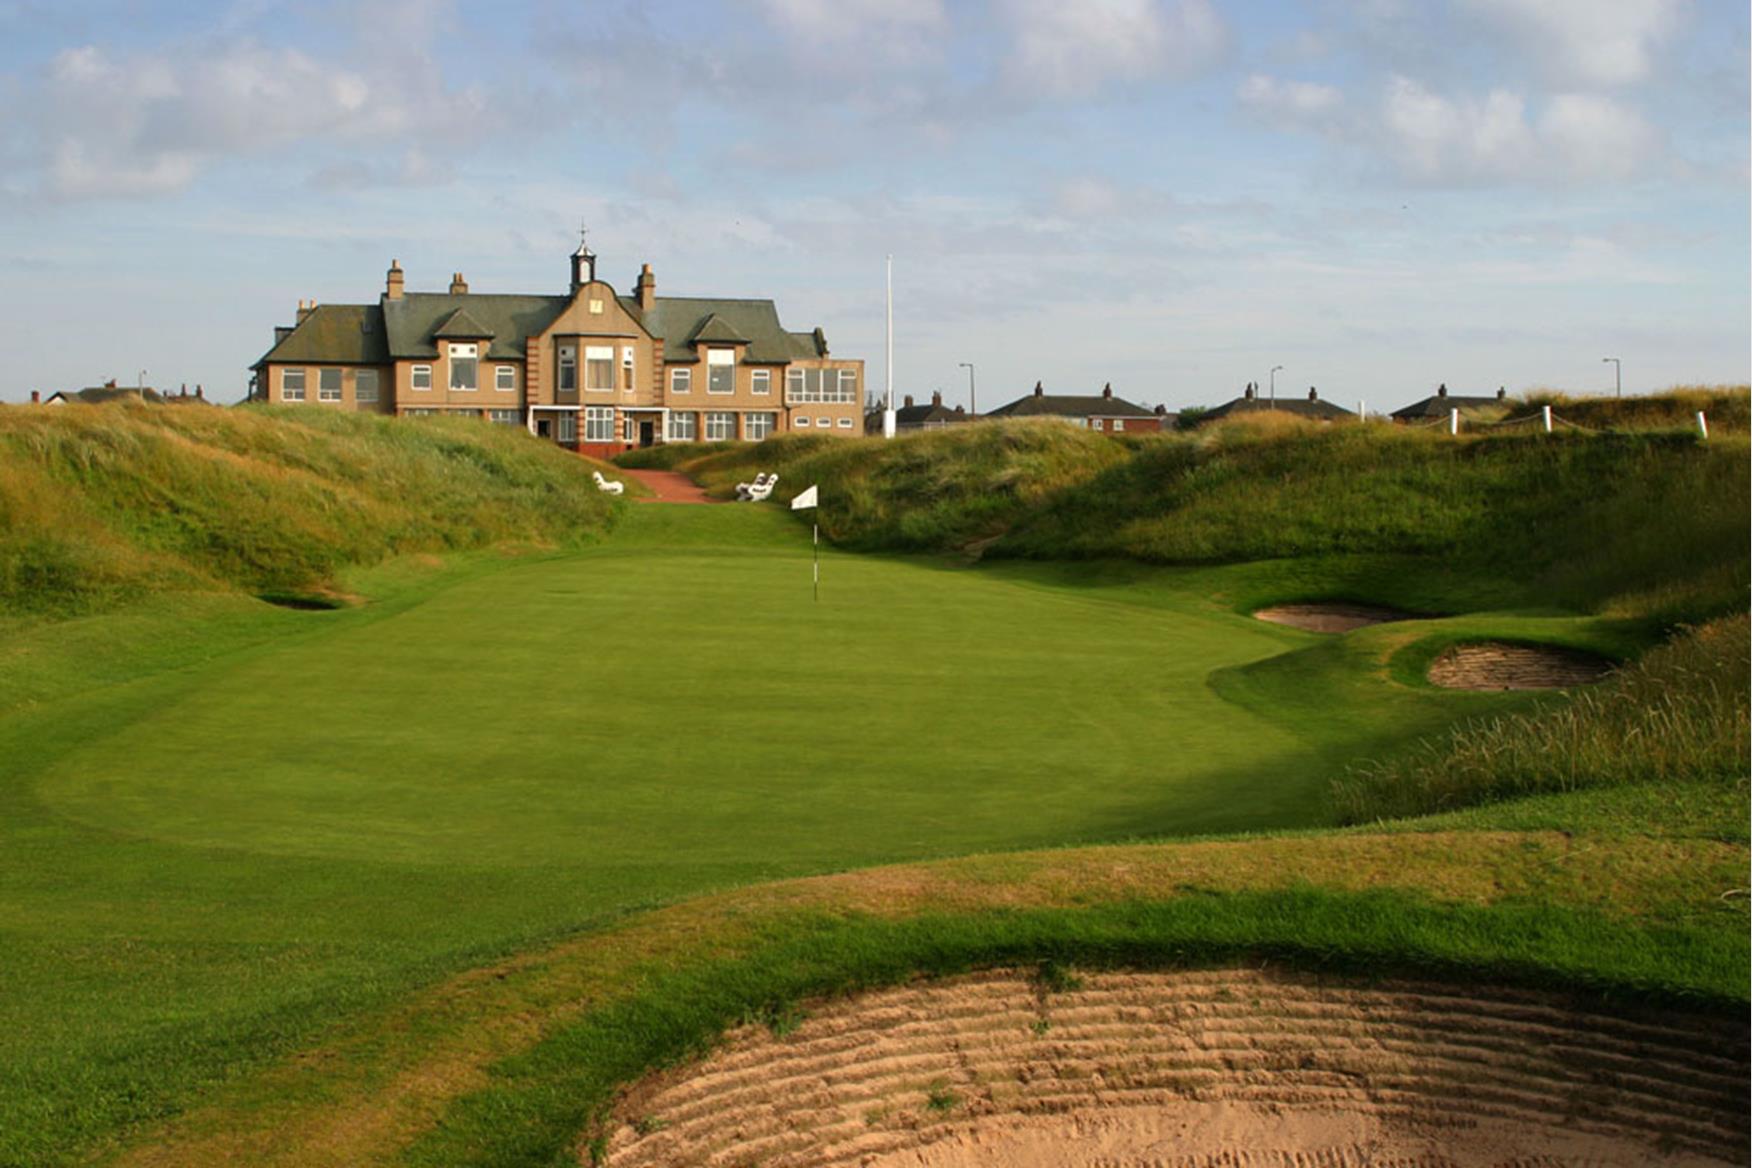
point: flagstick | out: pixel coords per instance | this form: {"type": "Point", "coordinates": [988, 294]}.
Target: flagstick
{"type": "Point", "coordinates": [815, 539]}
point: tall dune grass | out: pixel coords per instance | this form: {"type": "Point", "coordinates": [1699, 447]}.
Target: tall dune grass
{"type": "Point", "coordinates": [100, 503]}
{"type": "Point", "coordinates": [1678, 714]}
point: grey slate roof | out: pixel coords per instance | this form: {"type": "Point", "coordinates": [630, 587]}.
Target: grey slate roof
{"type": "Point", "coordinates": [412, 323]}
{"type": "Point", "coordinates": [1301, 407]}
{"type": "Point", "coordinates": [681, 320]}
{"type": "Point", "coordinates": [96, 395]}
{"type": "Point", "coordinates": [335, 334]}
{"type": "Point", "coordinates": [1438, 404]}
{"type": "Point", "coordinates": [1062, 405]}
{"type": "Point", "coordinates": [463, 327]}
{"type": "Point", "coordinates": [931, 413]}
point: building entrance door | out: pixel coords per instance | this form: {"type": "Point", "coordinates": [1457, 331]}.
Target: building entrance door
{"type": "Point", "coordinates": [647, 433]}
{"type": "Point", "coordinates": [543, 428]}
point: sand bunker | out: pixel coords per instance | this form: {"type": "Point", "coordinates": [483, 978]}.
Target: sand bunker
{"type": "Point", "coordinates": [1493, 665]}
{"type": "Point", "coordinates": [1238, 1068]}
{"type": "Point", "coordinates": [1331, 618]}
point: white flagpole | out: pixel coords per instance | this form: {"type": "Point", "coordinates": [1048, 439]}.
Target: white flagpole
{"type": "Point", "coordinates": [888, 406]}
{"type": "Point", "coordinates": [815, 540]}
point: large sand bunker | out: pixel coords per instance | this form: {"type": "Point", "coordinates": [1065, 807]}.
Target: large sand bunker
{"type": "Point", "coordinates": [1232, 1067]}
{"type": "Point", "coordinates": [1331, 616]}
{"type": "Point", "coordinates": [1496, 665]}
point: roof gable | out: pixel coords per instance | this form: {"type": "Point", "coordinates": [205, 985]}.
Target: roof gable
{"type": "Point", "coordinates": [685, 321]}
{"type": "Point", "coordinates": [412, 323]}
{"type": "Point", "coordinates": [460, 325]}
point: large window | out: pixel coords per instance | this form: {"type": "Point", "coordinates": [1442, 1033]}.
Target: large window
{"type": "Point", "coordinates": [566, 428]}
{"type": "Point", "coordinates": [328, 385]}
{"type": "Point", "coordinates": [599, 368]}
{"type": "Point", "coordinates": [465, 362]}
{"type": "Point", "coordinates": [504, 378]}
{"type": "Point", "coordinates": [599, 423]}
{"type": "Point", "coordinates": [821, 385]}
{"type": "Point", "coordinates": [421, 377]}
{"type": "Point", "coordinates": [568, 369]}
{"type": "Point", "coordinates": [681, 381]}
{"type": "Point", "coordinates": [720, 426]}
{"type": "Point", "coordinates": [291, 385]}
{"type": "Point", "coordinates": [683, 426]}
{"type": "Point", "coordinates": [365, 386]}
{"type": "Point", "coordinates": [761, 381]}
{"type": "Point", "coordinates": [720, 371]}
{"type": "Point", "coordinates": [756, 426]}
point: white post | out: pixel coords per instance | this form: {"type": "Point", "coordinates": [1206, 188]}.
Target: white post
{"type": "Point", "coordinates": [1453, 421]}
{"type": "Point", "coordinates": [1545, 413]}
{"type": "Point", "coordinates": [1702, 426]}
{"type": "Point", "coordinates": [1362, 412]}
{"type": "Point", "coordinates": [888, 406]}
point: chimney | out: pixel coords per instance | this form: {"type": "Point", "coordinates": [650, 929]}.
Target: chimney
{"type": "Point", "coordinates": [393, 284]}
{"type": "Point", "coordinates": [200, 393]}
{"type": "Point", "coordinates": [1442, 390]}
{"type": "Point", "coordinates": [647, 288]}
{"type": "Point", "coordinates": [305, 308]}
{"type": "Point", "coordinates": [185, 390]}
{"type": "Point", "coordinates": [1161, 411]}
{"type": "Point", "coordinates": [908, 401]}
{"type": "Point", "coordinates": [110, 384]}
{"type": "Point", "coordinates": [36, 397]}
{"type": "Point", "coordinates": [1312, 396]}
{"type": "Point", "coordinates": [1249, 394]}
{"type": "Point", "coordinates": [960, 409]}
{"type": "Point", "coordinates": [937, 397]}
{"type": "Point", "coordinates": [1107, 391]}
{"type": "Point", "coordinates": [1502, 392]}
{"type": "Point", "coordinates": [1038, 392]}
{"type": "Point", "coordinates": [458, 285]}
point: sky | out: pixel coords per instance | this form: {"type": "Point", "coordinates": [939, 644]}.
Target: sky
{"type": "Point", "coordinates": [1168, 196]}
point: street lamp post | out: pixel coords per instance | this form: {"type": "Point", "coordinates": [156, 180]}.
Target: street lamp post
{"type": "Point", "coordinates": [972, 402]}
{"type": "Point", "coordinates": [1274, 373]}
{"type": "Point", "coordinates": [1617, 375]}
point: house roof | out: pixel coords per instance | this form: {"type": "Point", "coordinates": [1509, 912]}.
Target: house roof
{"type": "Point", "coordinates": [1301, 407]}
{"type": "Point", "coordinates": [928, 413]}
{"type": "Point", "coordinates": [1438, 404]}
{"type": "Point", "coordinates": [461, 326]}
{"type": "Point", "coordinates": [1062, 405]}
{"type": "Point", "coordinates": [416, 321]}
{"type": "Point", "coordinates": [684, 321]}
{"type": "Point", "coordinates": [98, 394]}
{"type": "Point", "coordinates": [335, 334]}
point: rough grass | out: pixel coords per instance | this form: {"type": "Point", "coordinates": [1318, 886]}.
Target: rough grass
{"type": "Point", "coordinates": [1725, 406]}
{"type": "Point", "coordinates": [1677, 715]}
{"type": "Point", "coordinates": [670, 455]}
{"type": "Point", "coordinates": [100, 504]}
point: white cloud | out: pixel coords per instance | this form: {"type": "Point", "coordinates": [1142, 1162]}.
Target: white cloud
{"type": "Point", "coordinates": [1471, 139]}
{"type": "Point", "coordinates": [1596, 42]}
{"type": "Point", "coordinates": [1291, 104]}
{"type": "Point", "coordinates": [1075, 49]}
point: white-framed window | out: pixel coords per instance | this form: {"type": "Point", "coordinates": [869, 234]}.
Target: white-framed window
{"type": "Point", "coordinates": [683, 426]}
{"type": "Point", "coordinates": [505, 378]}
{"type": "Point", "coordinates": [291, 385]}
{"type": "Point", "coordinates": [420, 377]}
{"type": "Point", "coordinates": [505, 417]}
{"type": "Point", "coordinates": [848, 385]}
{"type": "Point", "coordinates": [821, 385]}
{"type": "Point", "coordinates": [365, 386]}
{"type": "Point", "coordinates": [845, 423]}
{"type": "Point", "coordinates": [760, 381]}
{"type": "Point", "coordinates": [599, 368]}
{"type": "Point", "coordinates": [629, 429]}
{"type": "Point", "coordinates": [681, 381]}
{"type": "Point", "coordinates": [627, 368]}
{"type": "Point", "coordinates": [422, 412]}
{"type": "Point", "coordinates": [568, 369]}
{"type": "Point", "coordinates": [793, 385]}
{"type": "Point", "coordinates": [599, 423]}
{"type": "Point", "coordinates": [566, 428]}
{"type": "Point", "coordinates": [720, 426]}
{"type": "Point", "coordinates": [1119, 423]}
{"type": "Point", "coordinates": [824, 423]}
{"type": "Point", "coordinates": [328, 385]}
{"type": "Point", "coordinates": [758, 425]}
{"type": "Point", "coordinates": [720, 371]}
{"type": "Point", "coordinates": [800, 422]}
{"type": "Point", "coordinates": [465, 363]}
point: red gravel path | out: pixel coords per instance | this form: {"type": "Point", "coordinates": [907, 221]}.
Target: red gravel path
{"type": "Point", "coordinates": [669, 487]}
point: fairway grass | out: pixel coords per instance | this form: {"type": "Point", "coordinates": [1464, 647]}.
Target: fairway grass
{"type": "Point", "coordinates": [214, 855]}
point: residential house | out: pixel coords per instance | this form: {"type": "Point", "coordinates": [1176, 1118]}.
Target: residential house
{"type": "Point", "coordinates": [1310, 407]}
{"type": "Point", "coordinates": [1103, 411]}
{"type": "Point", "coordinates": [592, 370]}
{"type": "Point", "coordinates": [935, 416]}
{"type": "Point", "coordinates": [1437, 405]}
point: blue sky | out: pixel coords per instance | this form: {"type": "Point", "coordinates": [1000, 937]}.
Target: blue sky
{"type": "Point", "coordinates": [1168, 195]}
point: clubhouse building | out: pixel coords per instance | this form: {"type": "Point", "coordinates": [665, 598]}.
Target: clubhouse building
{"type": "Point", "coordinates": [592, 370]}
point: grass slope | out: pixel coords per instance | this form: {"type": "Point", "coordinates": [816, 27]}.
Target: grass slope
{"type": "Point", "coordinates": [103, 504]}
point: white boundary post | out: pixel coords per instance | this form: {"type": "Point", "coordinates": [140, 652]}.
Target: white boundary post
{"type": "Point", "coordinates": [1362, 412]}
{"type": "Point", "coordinates": [1453, 421]}
{"type": "Point", "coordinates": [1545, 413]}
{"type": "Point", "coordinates": [1702, 426]}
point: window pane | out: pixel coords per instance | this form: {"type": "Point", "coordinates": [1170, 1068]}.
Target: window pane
{"type": "Point", "coordinates": [365, 385]}
{"type": "Point", "coordinates": [680, 380]}
{"type": "Point", "coordinates": [568, 368]}
{"type": "Point", "coordinates": [761, 381]}
{"type": "Point", "coordinates": [793, 385]}
{"type": "Point", "coordinates": [567, 428]}
{"type": "Point", "coordinates": [505, 377]}
{"type": "Point", "coordinates": [292, 384]}
{"type": "Point", "coordinates": [462, 372]}
{"type": "Point", "coordinates": [422, 377]}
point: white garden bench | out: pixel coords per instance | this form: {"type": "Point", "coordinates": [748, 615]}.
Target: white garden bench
{"type": "Point", "coordinates": [603, 484]}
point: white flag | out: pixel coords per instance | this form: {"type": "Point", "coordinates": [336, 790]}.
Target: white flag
{"type": "Point", "coordinates": [804, 500]}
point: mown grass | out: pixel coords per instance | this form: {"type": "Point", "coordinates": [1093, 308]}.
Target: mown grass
{"type": "Point", "coordinates": [104, 504]}
{"type": "Point", "coordinates": [1676, 715]}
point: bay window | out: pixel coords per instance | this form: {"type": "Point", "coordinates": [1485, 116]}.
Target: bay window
{"type": "Point", "coordinates": [598, 369]}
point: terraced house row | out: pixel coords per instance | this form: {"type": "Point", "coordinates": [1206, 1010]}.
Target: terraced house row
{"type": "Point", "coordinates": [592, 370]}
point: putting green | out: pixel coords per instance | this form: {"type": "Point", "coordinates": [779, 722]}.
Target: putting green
{"type": "Point", "coordinates": [678, 693]}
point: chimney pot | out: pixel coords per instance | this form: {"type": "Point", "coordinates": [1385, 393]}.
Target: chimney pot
{"type": "Point", "coordinates": [458, 286]}
{"type": "Point", "coordinates": [1161, 411]}
{"type": "Point", "coordinates": [200, 392]}
{"type": "Point", "coordinates": [647, 288]}
{"type": "Point", "coordinates": [1442, 390]}
{"type": "Point", "coordinates": [1038, 391]}
{"type": "Point", "coordinates": [908, 400]}
{"type": "Point", "coordinates": [36, 397]}
{"type": "Point", "coordinates": [937, 397]}
{"type": "Point", "coordinates": [1502, 392]}
{"type": "Point", "coordinates": [1107, 390]}
{"type": "Point", "coordinates": [1249, 393]}
{"type": "Point", "coordinates": [1312, 396]}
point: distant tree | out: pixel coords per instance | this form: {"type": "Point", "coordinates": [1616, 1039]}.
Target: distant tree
{"type": "Point", "coordinates": [1189, 417]}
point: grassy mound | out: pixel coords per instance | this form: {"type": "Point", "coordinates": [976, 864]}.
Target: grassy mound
{"type": "Point", "coordinates": [1725, 406]}
{"type": "Point", "coordinates": [671, 454]}
{"type": "Point", "coordinates": [1676, 715]}
{"type": "Point", "coordinates": [102, 504]}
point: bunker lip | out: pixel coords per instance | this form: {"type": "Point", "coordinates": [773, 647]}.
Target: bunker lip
{"type": "Point", "coordinates": [1500, 665]}
{"type": "Point", "coordinates": [1246, 1067]}
{"type": "Point", "coordinates": [1336, 616]}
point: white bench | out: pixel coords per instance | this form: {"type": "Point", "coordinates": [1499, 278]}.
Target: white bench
{"type": "Point", "coordinates": [603, 484]}
{"type": "Point", "coordinates": [746, 491]}
{"type": "Point", "coordinates": [758, 491]}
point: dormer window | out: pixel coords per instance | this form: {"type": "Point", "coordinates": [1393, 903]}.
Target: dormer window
{"type": "Point", "coordinates": [464, 367]}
